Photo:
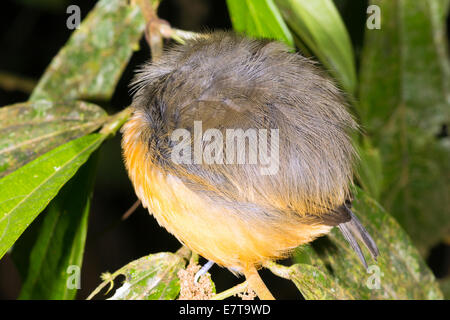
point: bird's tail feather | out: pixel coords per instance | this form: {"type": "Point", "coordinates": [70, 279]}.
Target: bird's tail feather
{"type": "Point", "coordinates": [353, 230]}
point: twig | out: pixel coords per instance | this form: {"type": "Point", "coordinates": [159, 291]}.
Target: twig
{"type": "Point", "coordinates": [278, 269]}
{"type": "Point", "coordinates": [107, 278]}
{"type": "Point", "coordinates": [257, 284]}
{"type": "Point", "coordinates": [446, 239]}
{"type": "Point", "coordinates": [184, 252]}
{"type": "Point", "coordinates": [154, 28]}
{"type": "Point", "coordinates": [131, 210]}
{"type": "Point", "coordinates": [194, 258]}
{"type": "Point", "coordinates": [231, 292]}
{"type": "Point", "coordinates": [12, 82]}
{"type": "Point", "coordinates": [181, 35]}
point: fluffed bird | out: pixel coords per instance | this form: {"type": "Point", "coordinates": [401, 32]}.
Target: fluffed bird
{"type": "Point", "coordinates": [288, 180]}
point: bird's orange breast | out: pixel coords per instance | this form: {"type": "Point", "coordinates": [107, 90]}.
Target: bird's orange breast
{"type": "Point", "coordinates": [213, 231]}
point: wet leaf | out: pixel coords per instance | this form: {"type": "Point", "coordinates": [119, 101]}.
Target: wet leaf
{"type": "Point", "coordinates": [28, 130]}
{"type": "Point", "coordinates": [405, 102]}
{"type": "Point", "coordinates": [315, 284]}
{"type": "Point", "coordinates": [153, 277]}
{"type": "Point", "coordinates": [319, 25]}
{"type": "Point", "coordinates": [28, 190]}
{"type": "Point", "coordinates": [260, 19]}
{"type": "Point", "coordinates": [335, 272]}
{"type": "Point", "coordinates": [57, 253]}
{"type": "Point", "coordinates": [91, 63]}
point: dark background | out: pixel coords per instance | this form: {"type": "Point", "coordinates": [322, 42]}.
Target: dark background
{"type": "Point", "coordinates": [32, 32]}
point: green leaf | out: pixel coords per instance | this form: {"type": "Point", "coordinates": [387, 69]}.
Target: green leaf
{"type": "Point", "coordinates": [370, 171]}
{"type": "Point", "coordinates": [405, 101]}
{"type": "Point", "coordinates": [314, 284]}
{"type": "Point", "coordinates": [318, 24]}
{"type": "Point", "coordinates": [28, 130]}
{"type": "Point", "coordinates": [60, 242]}
{"type": "Point", "coordinates": [260, 19]}
{"type": "Point", "coordinates": [91, 63]}
{"type": "Point", "coordinates": [153, 277]}
{"type": "Point", "coordinates": [28, 190]}
{"type": "Point", "coordinates": [50, 5]}
{"type": "Point", "coordinates": [335, 272]}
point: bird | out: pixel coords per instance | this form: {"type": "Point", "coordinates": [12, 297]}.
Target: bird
{"type": "Point", "coordinates": [281, 180]}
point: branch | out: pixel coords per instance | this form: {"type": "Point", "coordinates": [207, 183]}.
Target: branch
{"type": "Point", "coordinates": [155, 28]}
{"type": "Point", "coordinates": [278, 269]}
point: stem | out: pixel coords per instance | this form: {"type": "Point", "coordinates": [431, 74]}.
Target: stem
{"type": "Point", "coordinates": [181, 35]}
{"type": "Point", "coordinates": [109, 280]}
{"type": "Point", "coordinates": [194, 258]}
{"type": "Point", "coordinates": [231, 292]}
{"type": "Point", "coordinates": [115, 122]}
{"type": "Point", "coordinates": [131, 210]}
{"type": "Point", "coordinates": [153, 26]}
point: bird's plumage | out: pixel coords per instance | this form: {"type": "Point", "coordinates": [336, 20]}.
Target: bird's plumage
{"type": "Point", "coordinates": [228, 212]}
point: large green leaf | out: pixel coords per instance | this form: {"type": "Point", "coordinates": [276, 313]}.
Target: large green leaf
{"type": "Point", "coordinates": [318, 24]}
{"type": "Point", "coordinates": [259, 19]}
{"type": "Point", "coordinates": [405, 101]}
{"type": "Point", "coordinates": [153, 277]}
{"type": "Point", "coordinates": [30, 129]}
{"type": "Point", "coordinates": [90, 64]}
{"type": "Point", "coordinates": [28, 190]}
{"type": "Point", "coordinates": [329, 269]}
{"type": "Point", "coordinates": [60, 243]}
